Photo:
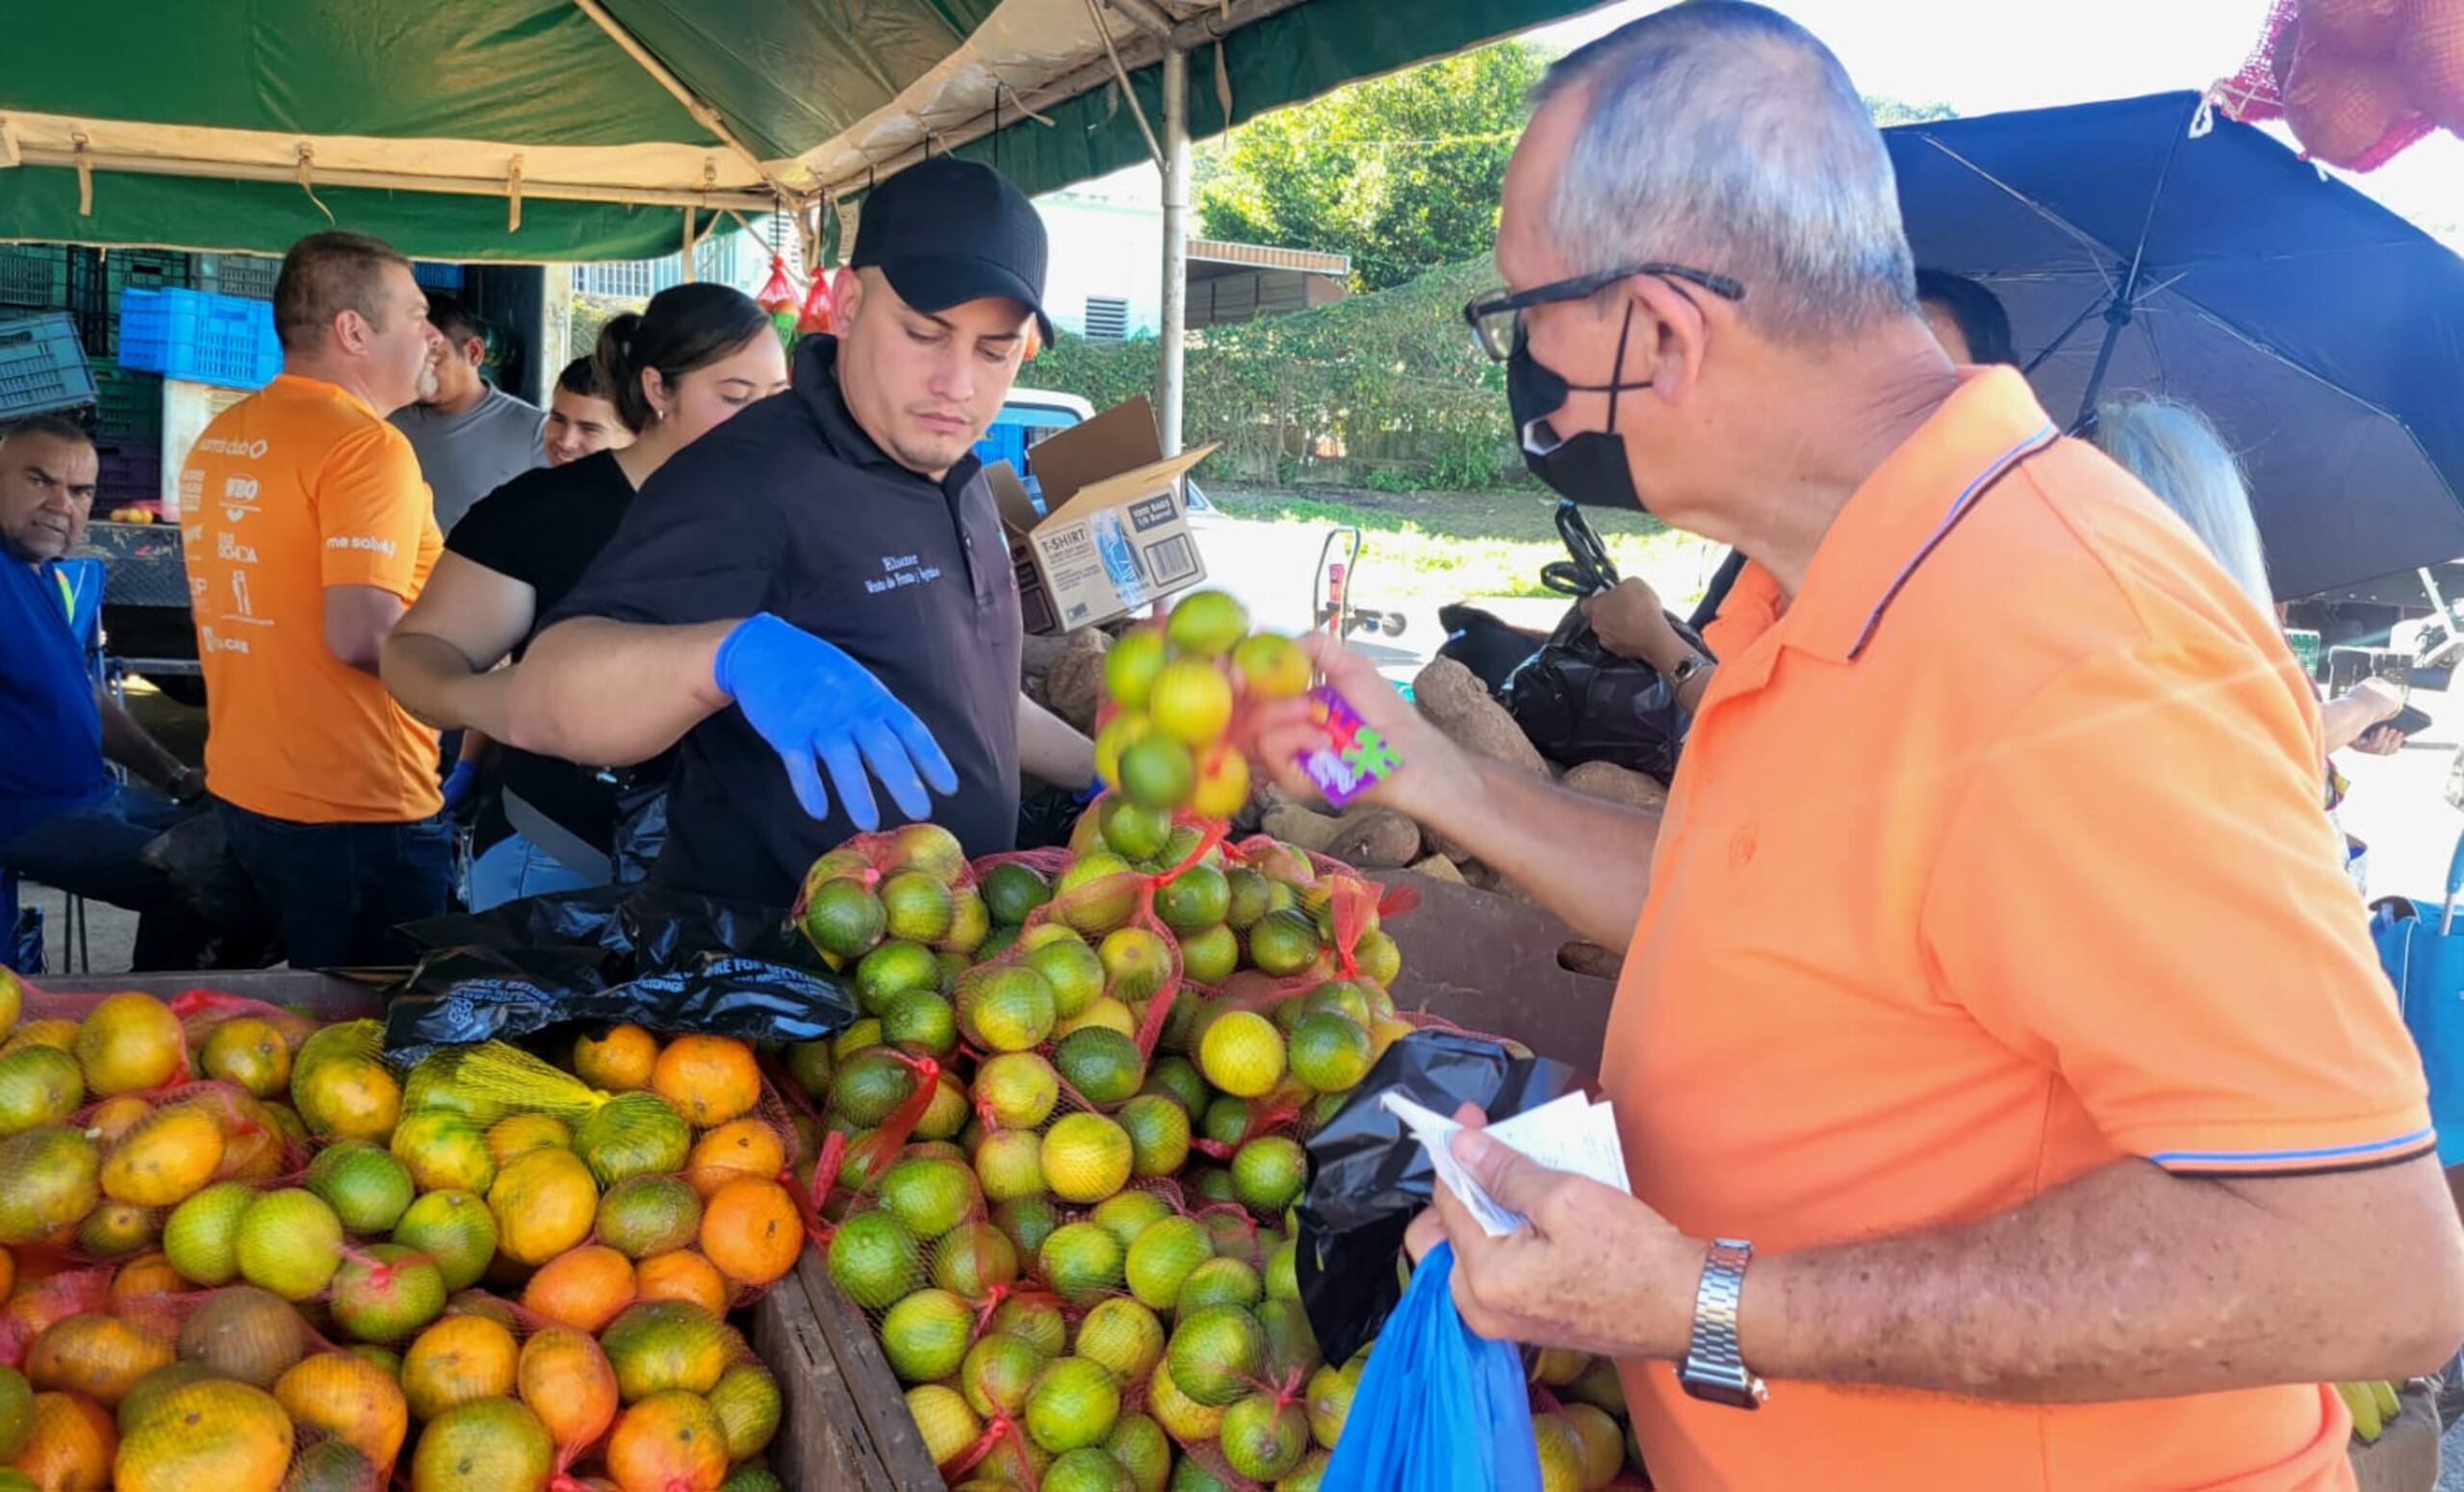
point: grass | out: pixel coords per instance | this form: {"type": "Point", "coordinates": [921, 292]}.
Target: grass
{"type": "Point", "coordinates": [1444, 546]}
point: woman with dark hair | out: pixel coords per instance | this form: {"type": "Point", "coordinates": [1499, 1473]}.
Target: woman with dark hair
{"type": "Point", "coordinates": [582, 419]}
{"type": "Point", "coordinates": [696, 355]}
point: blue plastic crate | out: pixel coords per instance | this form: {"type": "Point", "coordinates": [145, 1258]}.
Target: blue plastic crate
{"type": "Point", "coordinates": [435, 275]}
{"type": "Point", "coordinates": [199, 336]}
{"type": "Point", "coordinates": [41, 366]}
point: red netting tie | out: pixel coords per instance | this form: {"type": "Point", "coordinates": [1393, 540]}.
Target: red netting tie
{"type": "Point", "coordinates": [999, 1429]}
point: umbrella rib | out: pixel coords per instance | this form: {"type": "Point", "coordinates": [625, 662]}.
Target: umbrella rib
{"type": "Point", "coordinates": [2080, 235]}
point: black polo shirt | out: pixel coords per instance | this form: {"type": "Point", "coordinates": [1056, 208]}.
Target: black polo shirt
{"type": "Point", "coordinates": [790, 508]}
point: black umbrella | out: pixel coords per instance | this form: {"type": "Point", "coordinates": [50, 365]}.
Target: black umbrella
{"type": "Point", "coordinates": [2140, 244]}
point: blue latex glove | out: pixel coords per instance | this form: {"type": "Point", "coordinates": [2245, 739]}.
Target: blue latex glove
{"type": "Point", "coordinates": [811, 701]}
{"type": "Point", "coordinates": [460, 784]}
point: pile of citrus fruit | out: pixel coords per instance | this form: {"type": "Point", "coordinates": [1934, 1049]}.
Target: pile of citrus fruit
{"type": "Point", "coordinates": [1068, 1126]}
{"type": "Point", "coordinates": [254, 1258]}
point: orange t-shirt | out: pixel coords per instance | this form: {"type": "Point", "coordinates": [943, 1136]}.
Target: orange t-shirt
{"type": "Point", "coordinates": [1995, 857]}
{"type": "Point", "coordinates": [298, 487]}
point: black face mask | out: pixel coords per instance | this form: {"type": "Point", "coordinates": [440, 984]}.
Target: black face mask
{"type": "Point", "coordinates": [1590, 468]}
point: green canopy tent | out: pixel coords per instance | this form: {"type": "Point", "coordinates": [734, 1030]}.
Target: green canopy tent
{"type": "Point", "coordinates": [564, 130]}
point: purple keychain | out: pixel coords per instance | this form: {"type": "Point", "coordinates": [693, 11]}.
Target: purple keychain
{"type": "Point", "coordinates": [1354, 755]}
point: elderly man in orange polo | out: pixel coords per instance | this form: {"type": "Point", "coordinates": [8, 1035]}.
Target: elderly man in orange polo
{"type": "Point", "coordinates": [2004, 1074]}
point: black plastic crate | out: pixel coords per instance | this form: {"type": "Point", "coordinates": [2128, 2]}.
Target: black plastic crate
{"type": "Point", "coordinates": [41, 366]}
{"type": "Point", "coordinates": [238, 275]}
{"type": "Point", "coordinates": [128, 472]}
{"type": "Point", "coordinates": [128, 405]}
{"type": "Point", "coordinates": [34, 275]}
{"type": "Point", "coordinates": [153, 268]}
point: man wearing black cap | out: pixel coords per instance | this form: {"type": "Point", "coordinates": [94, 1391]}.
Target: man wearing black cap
{"type": "Point", "coordinates": [819, 591]}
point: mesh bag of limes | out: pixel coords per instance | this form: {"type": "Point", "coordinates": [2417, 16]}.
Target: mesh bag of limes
{"type": "Point", "coordinates": [242, 1252]}
{"type": "Point", "coordinates": [1063, 1146]}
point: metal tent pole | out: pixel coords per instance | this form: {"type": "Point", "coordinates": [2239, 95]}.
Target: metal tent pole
{"type": "Point", "coordinates": [1168, 363]}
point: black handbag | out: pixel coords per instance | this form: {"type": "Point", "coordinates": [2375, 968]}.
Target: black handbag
{"type": "Point", "coordinates": [1579, 702]}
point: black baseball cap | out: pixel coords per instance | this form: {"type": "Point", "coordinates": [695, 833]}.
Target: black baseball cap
{"type": "Point", "coordinates": [946, 231]}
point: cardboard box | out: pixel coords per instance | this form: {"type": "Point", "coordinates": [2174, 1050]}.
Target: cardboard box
{"type": "Point", "coordinates": [1114, 532]}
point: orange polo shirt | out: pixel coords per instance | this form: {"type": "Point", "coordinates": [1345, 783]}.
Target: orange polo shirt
{"type": "Point", "coordinates": [1995, 857]}
{"type": "Point", "coordinates": [299, 486]}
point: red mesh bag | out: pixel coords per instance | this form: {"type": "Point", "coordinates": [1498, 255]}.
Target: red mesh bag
{"type": "Point", "coordinates": [2352, 111]}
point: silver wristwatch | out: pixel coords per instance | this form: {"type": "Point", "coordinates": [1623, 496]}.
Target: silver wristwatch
{"type": "Point", "coordinates": [1684, 668]}
{"type": "Point", "coordinates": [1712, 1369]}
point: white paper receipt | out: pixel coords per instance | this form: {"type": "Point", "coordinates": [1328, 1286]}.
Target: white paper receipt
{"type": "Point", "coordinates": [1569, 1133]}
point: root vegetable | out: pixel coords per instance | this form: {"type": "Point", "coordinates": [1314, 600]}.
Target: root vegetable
{"type": "Point", "coordinates": [1614, 783]}
{"type": "Point", "coordinates": [1455, 700]}
{"type": "Point", "coordinates": [1305, 827]}
{"type": "Point", "coordinates": [1375, 838]}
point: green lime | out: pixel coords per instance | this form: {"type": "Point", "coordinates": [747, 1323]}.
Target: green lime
{"type": "Point", "coordinates": [1177, 1078]}
{"type": "Point", "coordinates": [1131, 664]}
{"type": "Point", "coordinates": [1034, 1320]}
{"type": "Point", "coordinates": [925, 1336]}
{"type": "Point", "coordinates": [1159, 1134]}
{"type": "Point", "coordinates": [928, 848]}
{"type": "Point", "coordinates": [1158, 772]}
{"type": "Point", "coordinates": [930, 1196]}
{"type": "Point", "coordinates": [1133, 830]}
{"type": "Point", "coordinates": [1102, 1065]}
{"type": "Point", "coordinates": [1262, 1436]}
{"type": "Point", "coordinates": [1081, 1261]}
{"type": "Point", "coordinates": [869, 1086]}
{"type": "Point", "coordinates": [1004, 1007]}
{"type": "Point", "coordinates": [1215, 1352]}
{"type": "Point", "coordinates": [843, 918]}
{"type": "Point", "coordinates": [1221, 1283]}
{"type": "Point", "coordinates": [1283, 944]}
{"type": "Point", "coordinates": [1207, 623]}
{"type": "Point", "coordinates": [1127, 1213]}
{"type": "Point", "coordinates": [998, 1371]}
{"type": "Point", "coordinates": [1073, 1403]}
{"type": "Point", "coordinates": [920, 906]}
{"type": "Point", "coordinates": [203, 1233]}
{"type": "Point", "coordinates": [1195, 900]}
{"type": "Point", "coordinates": [892, 969]}
{"type": "Point", "coordinates": [1018, 1088]}
{"type": "Point", "coordinates": [367, 1188]}
{"type": "Point", "coordinates": [1013, 891]}
{"type": "Point", "coordinates": [921, 1020]}
{"type": "Point", "coordinates": [1122, 1336]}
{"type": "Point", "coordinates": [1165, 1254]}
{"type": "Point", "coordinates": [1098, 893]}
{"type": "Point", "coordinates": [874, 1260]}
{"type": "Point", "coordinates": [1245, 897]}
{"type": "Point", "coordinates": [1028, 1220]}
{"type": "Point", "coordinates": [1330, 1053]}
{"type": "Point", "coordinates": [972, 1258]}
{"type": "Point", "coordinates": [1074, 971]}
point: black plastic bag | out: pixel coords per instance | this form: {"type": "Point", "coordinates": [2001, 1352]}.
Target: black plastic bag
{"type": "Point", "coordinates": [1368, 1177]}
{"type": "Point", "coordinates": [658, 958]}
{"type": "Point", "coordinates": [1579, 702]}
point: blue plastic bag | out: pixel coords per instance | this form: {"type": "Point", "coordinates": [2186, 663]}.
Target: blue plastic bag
{"type": "Point", "coordinates": [1438, 1409]}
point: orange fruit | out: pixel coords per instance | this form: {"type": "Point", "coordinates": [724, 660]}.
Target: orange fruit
{"type": "Point", "coordinates": [660, 1345]}
{"type": "Point", "coordinates": [752, 1231]}
{"type": "Point", "coordinates": [545, 1203]}
{"type": "Point", "coordinates": [346, 1396]}
{"type": "Point", "coordinates": [491, 1445]}
{"type": "Point", "coordinates": [97, 1356]}
{"type": "Point", "coordinates": [69, 1445]}
{"type": "Point", "coordinates": [164, 1158]}
{"type": "Point", "coordinates": [149, 1273]}
{"type": "Point", "coordinates": [582, 1288]}
{"type": "Point", "coordinates": [619, 1059]}
{"type": "Point", "coordinates": [212, 1434]}
{"type": "Point", "coordinates": [684, 1275]}
{"type": "Point", "coordinates": [113, 1117]}
{"type": "Point", "coordinates": [710, 1079]}
{"type": "Point", "coordinates": [670, 1442]}
{"type": "Point", "coordinates": [520, 1134]}
{"type": "Point", "coordinates": [457, 1361]}
{"type": "Point", "coordinates": [348, 1097]}
{"type": "Point", "coordinates": [128, 1043]}
{"type": "Point", "coordinates": [740, 1147]}
{"type": "Point", "coordinates": [566, 1380]}
{"type": "Point", "coordinates": [115, 1231]}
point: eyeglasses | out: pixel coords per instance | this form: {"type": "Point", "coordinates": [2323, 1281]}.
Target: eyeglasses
{"type": "Point", "coordinates": [1493, 318]}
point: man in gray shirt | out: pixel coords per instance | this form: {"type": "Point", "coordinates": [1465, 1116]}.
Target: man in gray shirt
{"type": "Point", "coordinates": [472, 437]}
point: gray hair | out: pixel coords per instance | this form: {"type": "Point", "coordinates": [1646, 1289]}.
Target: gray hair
{"type": "Point", "coordinates": [2173, 450]}
{"type": "Point", "coordinates": [1724, 136]}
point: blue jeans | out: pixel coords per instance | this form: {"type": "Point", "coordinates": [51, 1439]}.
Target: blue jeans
{"type": "Point", "coordinates": [93, 852]}
{"type": "Point", "coordinates": [340, 890]}
{"type": "Point", "coordinates": [515, 867]}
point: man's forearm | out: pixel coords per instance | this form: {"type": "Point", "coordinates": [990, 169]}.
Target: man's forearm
{"type": "Point", "coordinates": [1051, 749]}
{"type": "Point", "coordinates": [2126, 1283]}
{"type": "Point", "coordinates": [611, 693]}
{"type": "Point", "coordinates": [434, 681]}
{"type": "Point", "coordinates": [129, 745]}
{"type": "Point", "coordinates": [1584, 858]}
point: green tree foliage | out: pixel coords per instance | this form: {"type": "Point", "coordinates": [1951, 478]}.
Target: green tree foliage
{"type": "Point", "coordinates": [1888, 111]}
{"type": "Point", "coordinates": [1403, 173]}
{"type": "Point", "coordinates": [1382, 390]}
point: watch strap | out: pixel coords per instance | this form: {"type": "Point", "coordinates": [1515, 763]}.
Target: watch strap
{"type": "Point", "coordinates": [1714, 1369]}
